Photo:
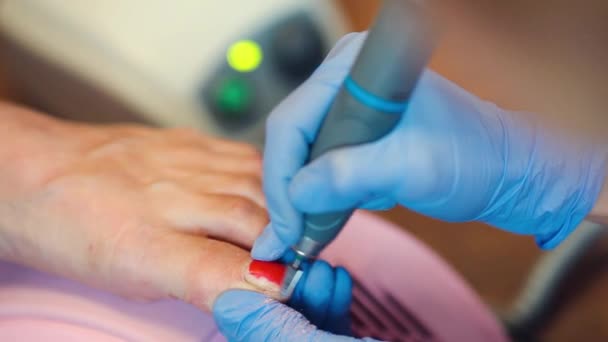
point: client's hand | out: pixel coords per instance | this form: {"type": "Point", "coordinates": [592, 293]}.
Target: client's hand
{"type": "Point", "coordinates": [145, 213]}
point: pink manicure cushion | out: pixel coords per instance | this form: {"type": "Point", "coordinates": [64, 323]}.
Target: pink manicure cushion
{"type": "Point", "coordinates": [429, 295]}
{"type": "Point", "coordinates": [38, 307]}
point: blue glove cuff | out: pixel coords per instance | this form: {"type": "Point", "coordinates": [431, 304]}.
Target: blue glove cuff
{"type": "Point", "coordinates": [373, 101]}
{"type": "Point", "coordinates": [572, 216]}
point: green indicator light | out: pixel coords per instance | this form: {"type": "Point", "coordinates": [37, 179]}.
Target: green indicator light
{"type": "Point", "coordinates": [244, 55]}
{"type": "Point", "coordinates": [233, 96]}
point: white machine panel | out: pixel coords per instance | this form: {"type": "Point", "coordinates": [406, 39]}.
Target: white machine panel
{"type": "Point", "coordinates": [162, 59]}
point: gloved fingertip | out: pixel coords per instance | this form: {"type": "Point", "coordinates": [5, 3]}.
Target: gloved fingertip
{"type": "Point", "coordinates": [231, 300]}
{"type": "Point", "coordinates": [342, 292]}
{"type": "Point", "coordinates": [233, 306]}
{"type": "Point", "coordinates": [338, 319]}
{"type": "Point", "coordinates": [318, 291]}
{"type": "Point", "coordinates": [353, 38]}
{"type": "Point", "coordinates": [268, 246]}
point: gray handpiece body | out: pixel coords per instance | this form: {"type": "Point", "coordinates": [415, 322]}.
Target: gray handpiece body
{"type": "Point", "coordinates": [388, 66]}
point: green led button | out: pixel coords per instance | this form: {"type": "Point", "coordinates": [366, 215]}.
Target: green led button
{"type": "Point", "coordinates": [233, 97]}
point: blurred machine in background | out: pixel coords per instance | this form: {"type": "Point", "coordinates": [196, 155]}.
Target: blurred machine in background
{"type": "Point", "coordinates": [219, 66]}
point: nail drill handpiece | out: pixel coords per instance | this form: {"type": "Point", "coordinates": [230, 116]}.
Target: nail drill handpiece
{"type": "Point", "coordinates": [368, 106]}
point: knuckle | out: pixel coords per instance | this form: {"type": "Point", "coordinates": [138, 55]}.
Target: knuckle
{"type": "Point", "coordinates": [262, 221]}
{"type": "Point", "coordinates": [253, 151]}
{"type": "Point", "coordinates": [249, 152]}
{"type": "Point", "coordinates": [255, 165]}
{"type": "Point", "coordinates": [246, 213]}
{"type": "Point", "coordinates": [241, 208]}
{"type": "Point", "coordinates": [204, 282]}
{"type": "Point", "coordinates": [251, 184]}
{"type": "Point", "coordinates": [245, 147]}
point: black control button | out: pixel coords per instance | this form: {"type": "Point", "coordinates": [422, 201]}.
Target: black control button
{"type": "Point", "coordinates": [298, 48]}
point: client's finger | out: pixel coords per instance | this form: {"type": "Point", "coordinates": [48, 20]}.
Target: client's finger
{"type": "Point", "coordinates": [231, 218]}
{"type": "Point", "coordinates": [196, 269]}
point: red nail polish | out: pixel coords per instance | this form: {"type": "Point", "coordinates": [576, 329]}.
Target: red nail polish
{"type": "Point", "coordinates": [272, 271]}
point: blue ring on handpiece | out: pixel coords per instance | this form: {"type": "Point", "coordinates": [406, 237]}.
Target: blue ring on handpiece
{"type": "Point", "coordinates": [372, 100]}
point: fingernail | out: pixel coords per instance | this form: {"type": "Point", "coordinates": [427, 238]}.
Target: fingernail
{"type": "Point", "coordinates": [268, 247]}
{"type": "Point", "coordinates": [271, 271]}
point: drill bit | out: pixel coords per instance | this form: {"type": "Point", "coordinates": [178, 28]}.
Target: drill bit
{"type": "Point", "coordinates": [292, 277]}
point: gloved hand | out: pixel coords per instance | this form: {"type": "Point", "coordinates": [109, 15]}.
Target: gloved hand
{"type": "Point", "coordinates": [452, 156]}
{"type": "Point", "coordinates": [243, 315]}
{"type": "Point", "coordinates": [323, 296]}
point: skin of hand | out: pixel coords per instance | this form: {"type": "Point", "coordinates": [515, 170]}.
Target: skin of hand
{"type": "Point", "coordinates": [144, 213]}
{"type": "Point", "coordinates": [453, 157]}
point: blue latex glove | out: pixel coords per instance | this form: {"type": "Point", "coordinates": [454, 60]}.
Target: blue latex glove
{"type": "Point", "coordinates": [452, 156]}
{"type": "Point", "coordinates": [250, 316]}
{"type": "Point", "coordinates": [323, 295]}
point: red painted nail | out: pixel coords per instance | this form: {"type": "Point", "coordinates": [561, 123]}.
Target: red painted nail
{"type": "Point", "coordinates": [272, 271]}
